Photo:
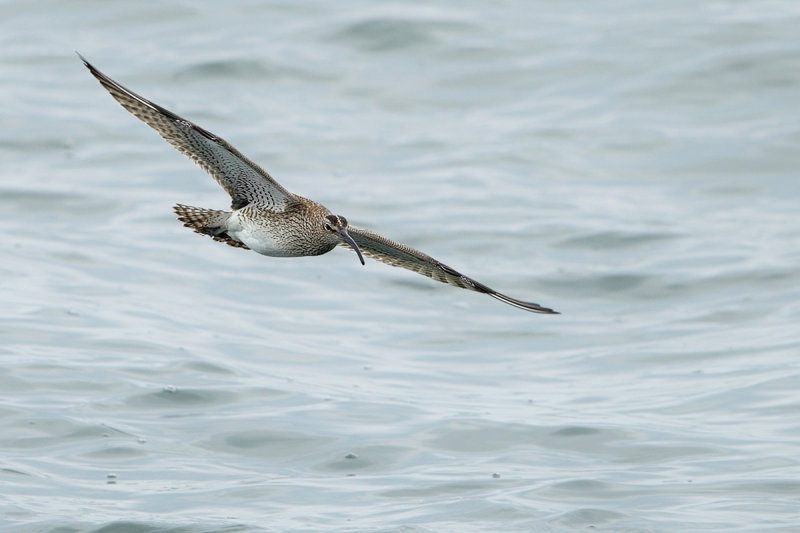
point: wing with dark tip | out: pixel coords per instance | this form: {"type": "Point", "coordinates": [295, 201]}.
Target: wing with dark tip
{"type": "Point", "coordinates": [399, 255]}
{"type": "Point", "coordinates": [245, 181]}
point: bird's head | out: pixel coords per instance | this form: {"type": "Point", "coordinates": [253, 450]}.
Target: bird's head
{"type": "Point", "coordinates": [336, 226]}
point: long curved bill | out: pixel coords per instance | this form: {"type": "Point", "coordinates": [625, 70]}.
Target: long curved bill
{"type": "Point", "coordinates": [349, 240]}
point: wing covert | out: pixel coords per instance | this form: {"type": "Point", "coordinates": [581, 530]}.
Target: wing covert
{"type": "Point", "coordinates": [245, 181]}
{"type": "Point", "coordinates": [396, 254]}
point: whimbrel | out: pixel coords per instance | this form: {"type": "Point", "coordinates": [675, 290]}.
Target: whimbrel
{"type": "Point", "coordinates": [268, 219]}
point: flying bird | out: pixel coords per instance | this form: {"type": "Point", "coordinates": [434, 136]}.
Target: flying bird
{"type": "Point", "coordinates": [267, 218]}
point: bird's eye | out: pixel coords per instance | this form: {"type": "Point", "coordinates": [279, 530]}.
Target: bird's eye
{"type": "Point", "coordinates": [328, 227]}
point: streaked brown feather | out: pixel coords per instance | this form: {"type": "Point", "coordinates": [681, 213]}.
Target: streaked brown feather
{"type": "Point", "coordinates": [397, 254]}
{"type": "Point", "coordinates": [245, 181]}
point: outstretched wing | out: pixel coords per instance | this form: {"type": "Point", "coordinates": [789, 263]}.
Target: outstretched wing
{"type": "Point", "coordinates": [400, 255]}
{"type": "Point", "coordinates": [245, 181]}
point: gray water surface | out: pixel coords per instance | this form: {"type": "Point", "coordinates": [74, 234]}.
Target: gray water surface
{"type": "Point", "coordinates": [633, 165]}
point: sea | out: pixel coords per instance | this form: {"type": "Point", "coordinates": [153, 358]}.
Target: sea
{"type": "Point", "coordinates": [633, 165]}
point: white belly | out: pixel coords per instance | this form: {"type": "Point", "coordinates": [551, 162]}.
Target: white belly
{"type": "Point", "coordinates": [258, 238]}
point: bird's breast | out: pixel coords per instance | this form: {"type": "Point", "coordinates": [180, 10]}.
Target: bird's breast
{"type": "Point", "coordinates": [276, 234]}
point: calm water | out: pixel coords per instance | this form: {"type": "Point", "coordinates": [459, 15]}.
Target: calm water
{"type": "Point", "coordinates": [633, 166]}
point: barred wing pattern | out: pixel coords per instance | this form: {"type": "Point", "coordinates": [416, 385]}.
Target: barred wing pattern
{"type": "Point", "coordinates": [399, 255]}
{"type": "Point", "coordinates": [245, 181]}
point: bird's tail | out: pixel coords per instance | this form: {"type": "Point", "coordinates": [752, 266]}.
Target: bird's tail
{"type": "Point", "coordinates": [209, 222]}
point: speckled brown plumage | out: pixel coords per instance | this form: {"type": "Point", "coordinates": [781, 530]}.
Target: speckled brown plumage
{"type": "Point", "coordinates": [201, 219]}
{"type": "Point", "coordinates": [267, 218]}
